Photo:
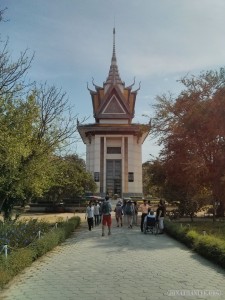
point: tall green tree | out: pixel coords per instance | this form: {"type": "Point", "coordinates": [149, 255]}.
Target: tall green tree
{"type": "Point", "coordinates": [71, 180]}
{"type": "Point", "coordinates": [33, 131]}
{"type": "Point", "coordinates": [16, 130]}
{"type": "Point", "coordinates": [36, 126]}
{"type": "Point", "coordinates": [154, 176]}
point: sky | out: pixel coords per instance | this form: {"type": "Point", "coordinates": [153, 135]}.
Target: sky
{"type": "Point", "coordinates": [157, 41]}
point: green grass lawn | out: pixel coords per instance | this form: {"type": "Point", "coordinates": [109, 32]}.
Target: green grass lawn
{"type": "Point", "coordinates": [217, 229]}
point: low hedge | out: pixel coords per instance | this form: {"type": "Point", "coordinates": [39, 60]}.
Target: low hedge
{"type": "Point", "coordinates": [21, 258]}
{"type": "Point", "coordinates": [212, 248]}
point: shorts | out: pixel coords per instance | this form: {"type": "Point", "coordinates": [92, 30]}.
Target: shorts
{"type": "Point", "coordinates": [107, 220]}
{"type": "Point", "coordinates": [119, 216]}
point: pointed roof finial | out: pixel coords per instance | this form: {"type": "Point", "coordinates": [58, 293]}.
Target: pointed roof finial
{"type": "Point", "coordinates": [114, 77]}
{"type": "Point", "coordinates": [114, 45]}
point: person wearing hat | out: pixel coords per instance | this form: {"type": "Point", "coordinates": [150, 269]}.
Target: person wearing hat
{"type": "Point", "coordinates": [118, 213]}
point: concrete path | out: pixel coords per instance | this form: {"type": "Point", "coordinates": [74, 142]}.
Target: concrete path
{"type": "Point", "coordinates": [126, 265]}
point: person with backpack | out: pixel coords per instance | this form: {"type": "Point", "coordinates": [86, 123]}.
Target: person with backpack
{"type": "Point", "coordinates": [129, 209]}
{"type": "Point", "coordinates": [118, 213]}
{"type": "Point", "coordinates": [106, 216]}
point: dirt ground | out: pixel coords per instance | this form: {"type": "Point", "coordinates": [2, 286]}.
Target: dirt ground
{"type": "Point", "coordinates": [49, 217]}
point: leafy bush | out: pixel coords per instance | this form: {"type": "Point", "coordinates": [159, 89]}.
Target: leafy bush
{"type": "Point", "coordinates": [207, 245]}
{"type": "Point", "coordinates": [211, 247]}
{"type": "Point", "coordinates": [21, 258]}
{"type": "Point", "coordinates": [47, 242]}
{"type": "Point", "coordinates": [21, 234]}
{"type": "Point", "coordinates": [54, 237]}
{"type": "Point", "coordinates": [178, 232]}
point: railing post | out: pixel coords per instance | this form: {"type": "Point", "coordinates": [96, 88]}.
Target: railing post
{"type": "Point", "coordinates": [6, 250]}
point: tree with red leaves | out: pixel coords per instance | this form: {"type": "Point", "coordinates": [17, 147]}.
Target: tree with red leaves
{"type": "Point", "coordinates": [192, 132]}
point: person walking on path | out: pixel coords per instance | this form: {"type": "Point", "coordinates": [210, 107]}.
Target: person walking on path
{"type": "Point", "coordinates": [90, 215]}
{"type": "Point", "coordinates": [118, 213]}
{"type": "Point", "coordinates": [129, 209]}
{"type": "Point", "coordinates": [96, 213]}
{"type": "Point", "coordinates": [160, 214]}
{"type": "Point", "coordinates": [124, 211]}
{"type": "Point", "coordinates": [106, 216]}
{"type": "Point", "coordinates": [100, 212]}
{"type": "Point", "coordinates": [135, 215]}
{"type": "Point", "coordinates": [144, 211]}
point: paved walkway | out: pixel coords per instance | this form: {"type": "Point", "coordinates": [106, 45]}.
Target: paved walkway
{"type": "Point", "coordinates": [126, 265]}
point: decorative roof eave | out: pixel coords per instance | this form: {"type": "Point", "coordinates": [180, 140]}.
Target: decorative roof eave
{"type": "Point", "coordinates": [139, 130]}
{"type": "Point", "coordinates": [118, 127]}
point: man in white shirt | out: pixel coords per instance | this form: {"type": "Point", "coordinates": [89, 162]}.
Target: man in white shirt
{"type": "Point", "coordinates": [90, 215]}
{"type": "Point", "coordinates": [96, 213]}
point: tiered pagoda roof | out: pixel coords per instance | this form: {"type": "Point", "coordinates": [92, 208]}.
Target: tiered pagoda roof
{"type": "Point", "coordinates": [113, 100]}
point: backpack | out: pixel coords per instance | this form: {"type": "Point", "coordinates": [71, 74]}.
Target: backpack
{"type": "Point", "coordinates": [118, 210]}
{"type": "Point", "coordinates": [106, 208]}
{"type": "Point", "coordinates": [129, 209]}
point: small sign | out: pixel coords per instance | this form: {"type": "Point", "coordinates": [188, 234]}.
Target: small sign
{"type": "Point", "coordinates": [131, 177]}
{"type": "Point", "coordinates": [96, 176]}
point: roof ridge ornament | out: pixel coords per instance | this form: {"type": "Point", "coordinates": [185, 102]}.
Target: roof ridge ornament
{"type": "Point", "coordinates": [137, 88]}
{"type": "Point", "coordinates": [130, 86]}
{"type": "Point", "coordinates": [91, 91]}
{"type": "Point", "coordinates": [95, 85]}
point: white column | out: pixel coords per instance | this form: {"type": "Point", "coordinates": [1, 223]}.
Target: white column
{"type": "Point", "coordinates": [104, 172]}
{"type": "Point", "coordinates": [123, 165]}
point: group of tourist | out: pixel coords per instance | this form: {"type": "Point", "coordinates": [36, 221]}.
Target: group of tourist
{"type": "Point", "coordinates": [126, 212]}
{"type": "Point", "coordinates": [93, 214]}
{"type": "Point", "coordinates": [99, 212]}
{"type": "Point", "coordinates": [159, 214]}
